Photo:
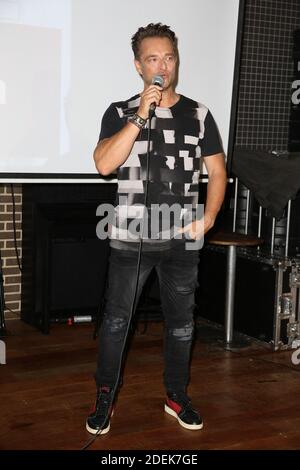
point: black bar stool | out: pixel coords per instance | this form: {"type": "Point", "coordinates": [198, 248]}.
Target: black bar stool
{"type": "Point", "coordinates": [232, 240]}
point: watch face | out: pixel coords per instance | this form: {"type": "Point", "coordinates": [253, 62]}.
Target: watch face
{"type": "Point", "coordinates": [137, 120]}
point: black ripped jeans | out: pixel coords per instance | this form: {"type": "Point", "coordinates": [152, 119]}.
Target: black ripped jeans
{"type": "Point", "coordinates": [177, 271]}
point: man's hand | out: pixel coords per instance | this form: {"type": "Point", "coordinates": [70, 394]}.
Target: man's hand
{"type": "Point", "coordinates": [152, 94]}
{"type": "Point", "coordinates": [199, 228]}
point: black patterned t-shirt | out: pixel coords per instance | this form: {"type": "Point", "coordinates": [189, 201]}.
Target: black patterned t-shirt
{"type": "Point", "coordinates": [180, 136]}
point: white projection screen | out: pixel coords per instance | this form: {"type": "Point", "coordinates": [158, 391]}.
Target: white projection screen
{"type": "Point", "coordinates": [62, 62]}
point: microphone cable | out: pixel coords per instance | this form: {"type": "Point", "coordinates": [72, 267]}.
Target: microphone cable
{"type": "Point", "coordinates": [134, 300]}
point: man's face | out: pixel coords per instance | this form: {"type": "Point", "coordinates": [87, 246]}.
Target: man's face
{"type": "Point", "coordinates": [157, 57]}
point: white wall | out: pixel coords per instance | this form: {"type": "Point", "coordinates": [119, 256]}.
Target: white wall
{"type": "Point", "coordinates": [63, 62]}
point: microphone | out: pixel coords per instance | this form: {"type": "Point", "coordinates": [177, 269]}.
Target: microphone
{"type": "Point", "coordinates": [159, 81]}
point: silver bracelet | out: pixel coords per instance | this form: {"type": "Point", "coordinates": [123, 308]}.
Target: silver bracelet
{"type": "Point", "coordinates": [137, 121]}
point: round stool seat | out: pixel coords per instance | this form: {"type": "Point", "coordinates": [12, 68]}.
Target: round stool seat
{"type": "Point", "coordinates": [234, 239]}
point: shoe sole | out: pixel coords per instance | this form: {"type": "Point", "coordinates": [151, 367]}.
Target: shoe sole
{"type": "Point", "coordinates": [97, 431]}
{"type": "Point", "coordinates": [191, 427]}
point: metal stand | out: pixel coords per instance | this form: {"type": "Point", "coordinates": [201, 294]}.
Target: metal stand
{"type": "Point", "coordinates": [230, 341]}
{"type": "Point", "coordinates": [3, 331]}
{"type": "Point", "coordinates": [286, 324]}
{"type": "Point", "coordinates": [230, 285]}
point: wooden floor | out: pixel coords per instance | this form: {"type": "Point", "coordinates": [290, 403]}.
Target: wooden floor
{"type": "Point", "coordinates": [249, 398]}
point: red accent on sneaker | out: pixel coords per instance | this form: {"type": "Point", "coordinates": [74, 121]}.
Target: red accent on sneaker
{"type": "Point", "coordinates": [110, 411]}
{"type": "Point", "coordinates": [175, 406]}
{"type": "Point", "coordinates": [105, 388]}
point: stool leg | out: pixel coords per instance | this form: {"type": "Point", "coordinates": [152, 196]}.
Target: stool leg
{"type": "Point", "coordinates": [230, 289]}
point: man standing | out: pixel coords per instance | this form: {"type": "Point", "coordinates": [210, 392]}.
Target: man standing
{"type": "Point", "coordinates": [181, 131]}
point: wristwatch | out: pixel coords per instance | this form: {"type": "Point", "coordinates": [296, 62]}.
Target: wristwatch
{"type": "Point", "coordinates": [137, 121]}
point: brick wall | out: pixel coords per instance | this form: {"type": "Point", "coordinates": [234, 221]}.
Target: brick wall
{"type": "Point", "coordinates": [11, 272]}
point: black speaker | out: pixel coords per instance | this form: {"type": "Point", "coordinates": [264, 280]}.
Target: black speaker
{"type": "Point", "coordinates": [77, 276]}
{"type": "Point", "coordinates": [64, 263]}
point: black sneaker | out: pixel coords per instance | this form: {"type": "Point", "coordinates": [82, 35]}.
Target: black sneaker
{"type": "Point", "coordinates": [99, 420]}
{"type": "Point", "coordinates": [180, 406]}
